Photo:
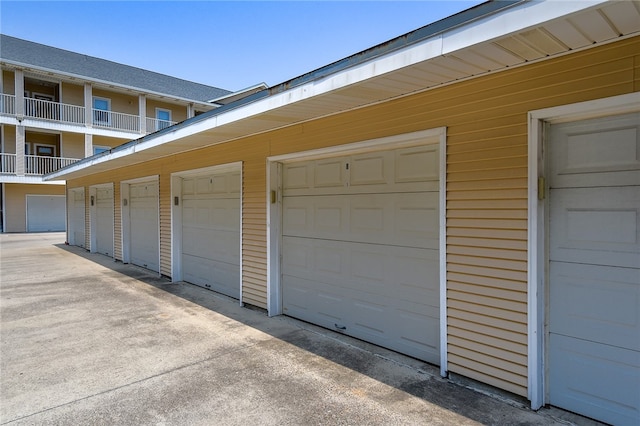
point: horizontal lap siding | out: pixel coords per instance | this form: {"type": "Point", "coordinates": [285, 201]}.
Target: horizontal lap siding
{"type": "Point", "coordinates": [487, 205]}
{"type": "Point", "coordinates": [486, 209]}
{"type": "Point", "coordinates": [165, 224]}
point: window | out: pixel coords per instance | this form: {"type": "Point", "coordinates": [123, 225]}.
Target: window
{"type": "Point", "coordinates": [163, 118]}
{"type": "Point", "coordinates": [101, 114]}
{"type": "Point", "coordinates": [97, 149]}
{"type": "Point", "coordinates": [43, 150]}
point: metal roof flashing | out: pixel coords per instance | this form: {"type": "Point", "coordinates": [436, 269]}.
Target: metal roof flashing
{"type": "Point", "coordinates": [468, 29]}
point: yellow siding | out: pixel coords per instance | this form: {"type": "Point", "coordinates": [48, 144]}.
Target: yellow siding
{"type": "Point", "coordinates": [178, 112]}
{"type": "Point", "coordinates": [9, 142]}
{"type": "Point", "coordinates": [72, 94]}
{"type": "Point", "coordinates": [8, 82]}
{"type": "Point", "coordinates": [72, 145]}
{"type": "Point", "coordinates": [108, 141]}
{"type": "Point", "coordinates": [165, 225]}
{"type": "Point", "coordinates": [486, 209]}
{"type": "Point", "coordinates": [16, 202]}
{"type": "Point", "coordinates": [127, 104]}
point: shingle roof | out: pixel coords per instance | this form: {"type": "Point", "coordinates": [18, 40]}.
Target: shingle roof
{"type": "Point", "coordinates": [37, 55]}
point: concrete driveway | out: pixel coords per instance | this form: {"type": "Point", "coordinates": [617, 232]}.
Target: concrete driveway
{"type": "Point", "coordinates": [86, 340]}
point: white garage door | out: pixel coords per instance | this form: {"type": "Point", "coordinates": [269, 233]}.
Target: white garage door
{"type": "Point", "coordinates": [211, 232]}
{"type": "Point", "coordinates": [104, 220]}
{"type": "Point", "coordinates": [594, 268]}
{"type": "Point", "coordinates": [144, 225]}
{"type": "Point", "coordinates": [360, 247]}
{"type": "Point", "coordinates": [46, 213]}
{"type": "Point", "coordinates": [76, 217]}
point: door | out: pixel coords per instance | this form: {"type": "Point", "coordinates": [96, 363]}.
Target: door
{"type": "Point", "coordinates": [104, 220]}
{"type": "Point", "coordinates": [144, 238]}
{"type": "Point", "coordinates": [46, 213]}
{"type": "Point", "coordinates": [361, 247]}
{"type": "Point", "coordinates": [211, 231]}
{"type": "Point", "coordinates": [594, 268]}
{"type": "Point", "coordinates": [76, 204]}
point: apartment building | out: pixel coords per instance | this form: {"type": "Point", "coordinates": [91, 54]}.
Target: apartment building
{"type": "Point", "coordinates": [57, 107]}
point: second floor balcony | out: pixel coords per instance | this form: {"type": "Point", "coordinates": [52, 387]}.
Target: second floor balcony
{"type": "Point", "coordinates": [32, 165]}
{"type": "Point", "coordinates": [57, 112]}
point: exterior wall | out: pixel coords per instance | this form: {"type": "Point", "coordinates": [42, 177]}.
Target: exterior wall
{"type": "Point", "coordinates": [106, 141]}
{"type": "Point", "coordinates": [178, 112]}
{"type": "Point", "coordinates": [8, 82]}
{"type": "Point", "coordinates": [72, 145]}
{"type": "Point", "coordinates": [9, 139]}
{"type": "Point", "coordinates": [39, 88]}
{"type": "Point", "coordinates": [16, 202]}
{"type": "Point", "coordinates": [486, 209]}
{"type": "Point", "coordinates": [34, 137]}
{"type": "Point", "coordinates": [72, 94]}
{"type": "Point", "coordinates": [127, 104]}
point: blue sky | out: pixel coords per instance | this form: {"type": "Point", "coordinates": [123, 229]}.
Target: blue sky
{"type": "Point", "coordinates": [228, 44]}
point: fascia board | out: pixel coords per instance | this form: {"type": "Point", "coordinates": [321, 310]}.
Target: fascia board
{"type": "Point", "coordinates": [514, 19]}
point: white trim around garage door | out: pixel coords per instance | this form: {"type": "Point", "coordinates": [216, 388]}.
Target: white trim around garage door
{"type": "Point", "coordinates": [537, 223]}
{"type": "Point", "coordinates": [274, 212]}
{"type": "Point", "coordinates": [176, 215]}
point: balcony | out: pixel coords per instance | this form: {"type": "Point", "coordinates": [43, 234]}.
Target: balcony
{"type": "Point", "coordinates": [56, 112]}
{"type": "Point", "coordinates": [34, 165]}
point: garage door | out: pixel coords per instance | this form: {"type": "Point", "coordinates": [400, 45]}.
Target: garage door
{"type": "Point", "coordinates": [211, 232]}
{"type": "Point", "coordinates": [104, 220]}
{"type": "Point", "coordinates": [46, 213]}
{"type": "Point", "coordinates": [360, 247]}
{"type": "Point", "coordinates": [144, 225]}
{"type": "Point", "coordinates": [76, 217]}
{"type": "Point", "coordinates": [594, 268]}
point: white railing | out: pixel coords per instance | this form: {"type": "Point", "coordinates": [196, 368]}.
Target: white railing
{"type": "Point", "coordinates": [7, 164]}
{"type": "Point", "coordinates": [155, 124]}
{"type": "Point", "coordinates": [7, 104]}
{"type": "Point", "coordinates": [116, 120]}
{"type": "Point", "coordinates": [38, 165]}
{"type": "Point", "coordinates": [53, 111]}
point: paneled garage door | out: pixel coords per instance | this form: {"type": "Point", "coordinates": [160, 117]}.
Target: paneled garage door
{"type": "Point", "coordinates": [144, 225]}
{"type": "Point", "coordinates": [76, 217]}
{"type": "Point", "coordinates": [360, 247]}
{"type": "Point", "coordinates": [46, 213]}
{"type": "Point", "coordinates": [594, 268]}
{"type": "Point", "coordinates": [104, 220]}
{"type": "Point", "coordinates": [211, 231]}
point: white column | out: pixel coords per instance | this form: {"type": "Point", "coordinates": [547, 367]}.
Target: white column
{"type": "Point", "coordinates": [190, 111]}
{"type": "Point", "coordinates": [142, 112]}
{"type": "Point", "coordinates": [20, 141]}
{"type": "Point", "coordinates": [88, 104]}
{"type": "Point", "coordinates": [19, 85]}
{"type": "Point", "coordinates": [88, 145]}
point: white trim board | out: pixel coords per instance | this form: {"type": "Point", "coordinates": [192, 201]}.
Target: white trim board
{"type": "Point", "coordinates": [536, 258]}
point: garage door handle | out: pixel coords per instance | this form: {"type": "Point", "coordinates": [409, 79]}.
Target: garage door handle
{"type": "Point", "coordinates": [340, 327]}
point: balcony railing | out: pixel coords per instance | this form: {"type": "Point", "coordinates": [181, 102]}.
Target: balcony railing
{"type": "Point", "coordinates": [154, 124]}
{"type": "Point", "coordinates": [73, 114]}
{"type": "Point", "coordinates": [7, 164]}
{"type": "Point", "coordinates": [53, 111]}
{"type": "Point", "coordinates": [7, 104]}
{"type": "Point", "coordinates": [38, 165]}
{"type": "Point", "coordinates": [116, 120]}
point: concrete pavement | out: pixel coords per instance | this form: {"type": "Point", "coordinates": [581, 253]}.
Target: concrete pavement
{"type": "Point", "coordinates": [86, 340]}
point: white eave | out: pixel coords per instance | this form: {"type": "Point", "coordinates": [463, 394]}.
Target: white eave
{"type": "Point", "coordinates": [523, 33]}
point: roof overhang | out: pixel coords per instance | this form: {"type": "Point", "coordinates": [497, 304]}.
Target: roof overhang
{"type": "Point", "coordinates": [488, 38]}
